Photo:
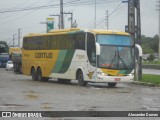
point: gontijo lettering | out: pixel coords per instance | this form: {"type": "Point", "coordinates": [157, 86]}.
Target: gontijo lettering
{"type": "Point", "coordinates": [43, 55]}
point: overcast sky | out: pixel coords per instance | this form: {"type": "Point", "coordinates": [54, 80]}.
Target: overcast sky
{"type": "Point", "coordinates": [83, 13]}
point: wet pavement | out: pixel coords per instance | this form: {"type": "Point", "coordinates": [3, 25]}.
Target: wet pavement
{"type": "Point", "coordinates": [151, 71]}
{"type": "Point", "coordinates": [20, 93]}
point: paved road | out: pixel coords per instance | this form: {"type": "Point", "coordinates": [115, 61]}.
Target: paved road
{"type": "Point", "coordinates": [151, 71]}
{"type": "Point", "coordinates": [19, 92]}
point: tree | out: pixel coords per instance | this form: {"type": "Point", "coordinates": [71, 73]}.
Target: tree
{"type": "Point", "coordinates": [149, 44]}
{"type": "Point", "coordinates": [3, 47]}
{"type": "Point", "coordinates": [151, 57]}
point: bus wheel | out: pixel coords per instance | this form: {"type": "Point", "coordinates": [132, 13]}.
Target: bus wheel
{"type": "Point", "coordinates": [33, 74]}
{"type": "Point", "coordinates": [112, 84]}
{"type": "Point", "coordinates": [39, 74]}
{"type": "Point", "coordinates": [80, 78]}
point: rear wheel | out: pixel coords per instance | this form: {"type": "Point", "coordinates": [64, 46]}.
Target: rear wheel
{"type": "Point", "coordinates": [80, 78]}
{"type": "Point", "coordinates": [39, 76]}
{"type": "Point", "coordinates": [112, 84]}
{"type": "Point", "coordinates": [33, 74]}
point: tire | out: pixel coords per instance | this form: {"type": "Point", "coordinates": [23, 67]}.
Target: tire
{"type": "Point", "coordinates": [19, 68]}
{"type": "Point", "coordinates": [80, 78]}
{"type": "Point", "coordinates": [111, 85]}
{"type": "Point", "coordinates": [33, 74]}
{"type": "Point", "coordinates": [39, 74]}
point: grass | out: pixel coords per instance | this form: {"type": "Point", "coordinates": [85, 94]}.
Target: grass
{"type": "Point", "coordinates": [152, 63]}
{"type": "Point", "coordinates": [155, 79]}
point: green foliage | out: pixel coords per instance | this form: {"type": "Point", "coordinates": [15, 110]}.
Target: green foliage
{"type": "Point", "coordinates": [151, 78]}
{"type": "Point", "coordinates": [149, 44]}
{"type": "Point", "coordinates": [151, 57]}
{"type": "Point", "coordinates": [3, 47]}
{"type": "Point", "coordinates": [152, 63]}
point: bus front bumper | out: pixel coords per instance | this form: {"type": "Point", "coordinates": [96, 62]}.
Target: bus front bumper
{"type": "Point", "coordinates": [101, 78]}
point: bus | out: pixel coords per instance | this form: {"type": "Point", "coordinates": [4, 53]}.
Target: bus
{"type": "Point", "coordinates": [104, 56]}
{"type": "Point", "coordinates": [4, 57]}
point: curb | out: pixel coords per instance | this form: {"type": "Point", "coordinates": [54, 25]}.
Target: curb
{"type": "Point", "coordinates": [145, 84]}
{"type": "Point", "coordinates": [156, 67]}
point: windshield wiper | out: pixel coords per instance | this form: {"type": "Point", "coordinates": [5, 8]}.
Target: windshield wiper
{"type": "Point", "coordinates": [119, 58]}
{"type": "Point", "coordinates": [113, 59]}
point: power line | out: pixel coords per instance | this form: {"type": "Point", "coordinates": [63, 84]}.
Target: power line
{"type": "Point", "coordinates": [67, 4]}
{"type": "Point", "coordinates": [16, 18]}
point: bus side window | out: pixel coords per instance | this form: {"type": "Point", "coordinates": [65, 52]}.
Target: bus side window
{"type": "Point", "coordinates": [80, 41]}
{"type": "Point", "coordinates": [91, 49]}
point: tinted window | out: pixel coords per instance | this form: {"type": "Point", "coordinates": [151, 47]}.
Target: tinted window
{"type": "Point", "coordinates": [62, 41]}
{"type": "Point", "coordinates": [91, 48]}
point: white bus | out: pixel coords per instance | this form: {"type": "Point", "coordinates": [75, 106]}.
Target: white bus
{"type": "Point", "coordinates": [84, 55]}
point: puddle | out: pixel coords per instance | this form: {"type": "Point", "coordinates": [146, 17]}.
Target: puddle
{"type": "Point", "coordinates": [10, 105]}
{"type": "Point", "coordinates": [32, 97]}
{"type": "Point", "coordinates": [123, 92]}
{"type": "Point", "coordinates": [46, 106]}
{"type": "Point", "coordinates": [29, 91]}
{"type": "Point", "coordinates": [151, 108]}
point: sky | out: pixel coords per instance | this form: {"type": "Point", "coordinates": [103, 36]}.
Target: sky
{"type": "Point", "coordinates": [23, 15]}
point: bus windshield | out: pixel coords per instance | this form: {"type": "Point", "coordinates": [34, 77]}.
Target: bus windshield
{"type": "Point", "coordinates": [123, 40]}
{"type": "Point", "coordinates": [117, 52]}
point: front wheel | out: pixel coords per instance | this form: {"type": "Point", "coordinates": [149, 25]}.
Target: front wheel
{"type": "Point", "coordinates": [80, 78]}
{"type": "Point", "coordinates": [112, 84]}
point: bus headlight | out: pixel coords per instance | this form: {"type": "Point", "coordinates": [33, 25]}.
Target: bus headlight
{"type": "Point", "coordinates": [131, 74]}
{"type": "Point", "coordinates": [102, 73]}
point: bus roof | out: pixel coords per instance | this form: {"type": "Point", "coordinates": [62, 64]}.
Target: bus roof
{"type": "Point", "coordinates": [65, 31]}
{"type": "Point", "coordinates": [97, 31]}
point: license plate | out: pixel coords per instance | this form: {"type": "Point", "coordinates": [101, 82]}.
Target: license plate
{"type": "Point", "coordinates": [117, 79]}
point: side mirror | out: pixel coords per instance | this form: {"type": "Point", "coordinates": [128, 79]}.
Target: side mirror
{"type": "Point", "coordinates": [98, 50]}
{"type": "Point", "coordinates": [139, 50]}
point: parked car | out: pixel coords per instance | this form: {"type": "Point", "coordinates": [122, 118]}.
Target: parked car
{"type": "Point", "coordinates": [9, 65]}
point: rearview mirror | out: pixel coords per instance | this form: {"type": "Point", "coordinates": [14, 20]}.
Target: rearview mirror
{"type": "Point", "coordinates": [139, 50]}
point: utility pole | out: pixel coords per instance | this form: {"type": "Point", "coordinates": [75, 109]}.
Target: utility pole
{"type": "Point", "coordinates": [95, 16]}
{"type": "Point", "coordinates": [14, 39]}
{"type": "Point", "coordinates": [138, 38]}
{"type": "Point", "coordinates": [107, 19]}
{"type": "Point", "coordinates": [131, 18]}
{"type": "Point", "coordinates": [19, 36]}
{"type": "Point", "coordinates": [61, 15]}
{"type": "Point", "coordinates": [159, 29]}
{"type": "Point", "coordinates": [135, 31]}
